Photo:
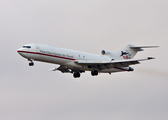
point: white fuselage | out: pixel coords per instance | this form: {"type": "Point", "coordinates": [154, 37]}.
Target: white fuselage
{"type": "Point", "coordinates": [63, 56]}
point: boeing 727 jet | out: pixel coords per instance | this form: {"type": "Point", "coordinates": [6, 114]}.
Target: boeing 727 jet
{"type": "Point", "coordinates": [77, 62]}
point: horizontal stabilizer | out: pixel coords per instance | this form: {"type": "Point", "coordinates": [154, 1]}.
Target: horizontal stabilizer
{"type": "Point", "coordinates": [139, 48]}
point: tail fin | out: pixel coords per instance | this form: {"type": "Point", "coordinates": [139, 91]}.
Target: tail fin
{"type": "Point", "coordinates": [129, 51]}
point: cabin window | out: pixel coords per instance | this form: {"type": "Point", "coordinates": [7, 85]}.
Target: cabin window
{"type": "Point", "coordinates": [26, 46]}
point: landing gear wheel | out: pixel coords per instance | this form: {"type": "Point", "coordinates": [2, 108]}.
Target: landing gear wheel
{"type": "Point", "coordinates": [94, 73]}
{"type": "Point", "coordinates": [31, 64]}
{"type": "Point", "coordinates": [76, 74]}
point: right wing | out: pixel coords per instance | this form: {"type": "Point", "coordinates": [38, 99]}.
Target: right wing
{"type": "Point", "coordinates": [100, 64]}
{"type": "Point", "coordinates": [139, 48]}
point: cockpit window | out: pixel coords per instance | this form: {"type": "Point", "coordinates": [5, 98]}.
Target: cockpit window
{"type": "Point", "coordinates": [26, 46]}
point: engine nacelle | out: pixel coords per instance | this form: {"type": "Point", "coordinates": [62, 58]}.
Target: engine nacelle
{"type": "Point", "coordinates": [104, 52]}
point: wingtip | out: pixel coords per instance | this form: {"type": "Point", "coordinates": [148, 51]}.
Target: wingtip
{"type": "Point", "coordinates": [150, 58]}
{"type": "Point", "coordinates": [53, 69]}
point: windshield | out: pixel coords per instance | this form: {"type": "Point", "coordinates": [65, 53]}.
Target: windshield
{"type": "Point", "coordinates": [26, 46]}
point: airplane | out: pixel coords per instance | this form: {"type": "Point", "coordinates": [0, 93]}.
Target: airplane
{"type": "Point", "coordinates": [77, 62]}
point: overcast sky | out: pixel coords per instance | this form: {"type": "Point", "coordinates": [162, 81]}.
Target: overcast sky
{"type": "Point", "coordinates": [33, 93]}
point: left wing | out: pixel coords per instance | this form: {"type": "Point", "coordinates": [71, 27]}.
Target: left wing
{"type": "Point", "coordinates": [61, 68]}
{"type": "Point", "coordinates": [65, 69]}
{"type": "Point", "coordinates": [116, 63]}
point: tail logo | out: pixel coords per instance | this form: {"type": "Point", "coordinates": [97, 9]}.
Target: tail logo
{"type": "Point", "coordinates": [125, 55]}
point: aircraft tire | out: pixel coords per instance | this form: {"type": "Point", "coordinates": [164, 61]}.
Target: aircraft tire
{"type": "Point", "coordinates": [31, 64]}
{"type": "Point", "coordinates": [94, 73]}
{"type": "Point", "coordinates": [76, 74]}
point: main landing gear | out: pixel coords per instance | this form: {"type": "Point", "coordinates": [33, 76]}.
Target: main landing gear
{"type": "Point", "coordinates": [76, 74]}
{"type": "Point", "coordinates": [31, 63]}
{"type": "Point", "coordinates": [94, 73]}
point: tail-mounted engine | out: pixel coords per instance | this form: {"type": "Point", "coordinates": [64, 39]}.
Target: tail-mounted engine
{"type": "Point", "coordinates": [109, 54]}
{"type": "Point", "coordinates": [104, 52]}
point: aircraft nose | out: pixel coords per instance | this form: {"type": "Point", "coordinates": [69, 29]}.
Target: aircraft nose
{"type": "Point", "coordinates": [20, 51]}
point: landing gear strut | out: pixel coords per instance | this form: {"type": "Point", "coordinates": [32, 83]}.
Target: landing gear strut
{"type": "Point", "coordinates": [76, 74]}
{"type": "Point", "coordinates": [94, 73]}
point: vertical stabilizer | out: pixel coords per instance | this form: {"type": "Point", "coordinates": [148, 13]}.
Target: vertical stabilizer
{"type": "Point", "coordinates": [129, 51]}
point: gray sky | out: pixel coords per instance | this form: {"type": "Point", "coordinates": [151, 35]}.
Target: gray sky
{"type": "Point", "coordinates": [32, 93]}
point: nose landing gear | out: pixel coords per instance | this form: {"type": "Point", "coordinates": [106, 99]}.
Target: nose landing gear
{"type": "Point", "coordinates": [31, 63]}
